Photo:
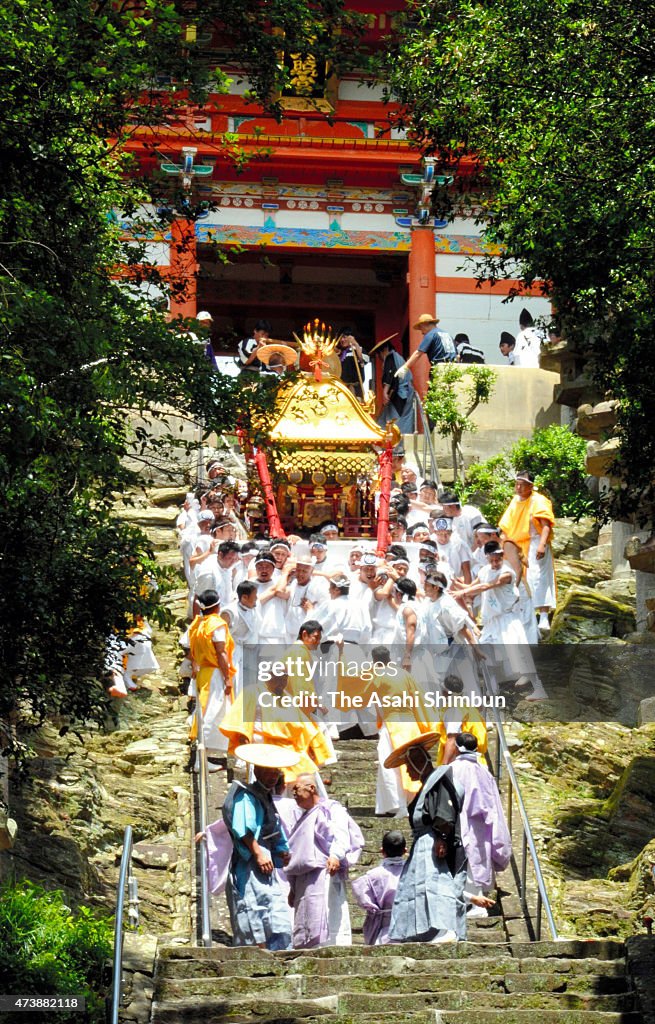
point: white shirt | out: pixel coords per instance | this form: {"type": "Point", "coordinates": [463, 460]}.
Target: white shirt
{"type": "Point", "coordinates": [316, 592]}
{"type": "Point", "coordinates": [273, 625]}
{"type": "Point", "coordinates": [455, 552]}
{"type": "Point", "coordinates": [245, 623]}
{"type": "Point", "coordinates": [349, 618]}
{"type": "Point", "coordinates": [528, 347]}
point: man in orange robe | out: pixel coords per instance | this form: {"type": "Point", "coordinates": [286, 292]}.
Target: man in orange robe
{"type": "Point", "coordinates": [528, 520]}
{"type": "Point", "coordinates": [212, 648]}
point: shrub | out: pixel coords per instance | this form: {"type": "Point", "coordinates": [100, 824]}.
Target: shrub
{"type": "Point", "coordinates": [46, 949]}
{"type": "Point", "coordinates": [556, 458]}
{"type": "Point", "coordinates": [490, 486]}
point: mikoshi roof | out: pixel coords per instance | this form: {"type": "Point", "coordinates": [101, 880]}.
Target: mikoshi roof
{"type": "Point", "coordinates": [398, 756]}
{"type": "Point", "coordinates": [321, 412]}
{"type": "Point", "coordinates": [267, 755]}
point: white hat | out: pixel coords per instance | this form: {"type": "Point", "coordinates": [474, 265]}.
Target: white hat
{"type": "Point", "coordinates": [206, 516]}
{"type": "Point", "coordinates": [204, 315]}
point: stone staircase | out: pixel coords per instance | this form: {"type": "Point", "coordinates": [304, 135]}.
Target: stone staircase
{"type": "Point", "coordinates": [495, 977]}
{"type": "Point", "coordinates": [571, 982]}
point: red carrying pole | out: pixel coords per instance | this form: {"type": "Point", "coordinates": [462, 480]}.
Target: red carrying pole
{"type": "Point", "coordinates": [384, 458]}
{"type": "Point", "coordinates": [272, 515]}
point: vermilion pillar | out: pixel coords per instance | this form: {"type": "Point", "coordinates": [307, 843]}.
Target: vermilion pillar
{"type": "Point", "coordinates": [183, 278]}
{"type": "Point", "coordinates": [385, 458]}
{"type": "Point", "coordinates": [422, 296]}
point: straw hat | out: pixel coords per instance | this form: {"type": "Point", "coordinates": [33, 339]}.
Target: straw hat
{"type": "Point", "coordinates": [425, 318]}
{"type": "Point", "coordinates": [267, 755]}
{"type": "Point", "coordinates": [399, 755]}
{"type": "Point", "coordinates": [266, 351]}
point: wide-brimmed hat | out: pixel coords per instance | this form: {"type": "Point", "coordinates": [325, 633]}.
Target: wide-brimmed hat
{"type": "Point", "coordinates": [380, 344]}
{"type": "Point", "coordinates": [427, 740]}
{"type": "Point", "coordinates": [526, 477]}
{"type": "Point", "coordinates": [267, 755]}
{"type": "Point", "coordinates": [266, 351]}
{"type": "Point", "coordinates": [425, 318]}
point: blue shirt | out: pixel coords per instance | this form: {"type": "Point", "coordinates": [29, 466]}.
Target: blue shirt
{"type": "Point", "coordinates": [433, 346]}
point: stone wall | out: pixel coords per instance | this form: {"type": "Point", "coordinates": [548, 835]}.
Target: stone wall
{"type": "Point", "coordinates": [521, 403]}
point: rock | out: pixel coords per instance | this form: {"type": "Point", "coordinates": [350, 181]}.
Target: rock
{"type": "Point", "coordinates": [139, 952]}
{"type": "Point", "coordinates": [620, 588]}
{"type": "Point", "coordinates": [166, 496]}
{"type": "Point", "coordinates": [601, 456]}
{"type": "Point", "coordinates": [646, 712]}
{"type": "Point", "coordinates": [598, 553]}
{"type": "Point", "coordinates": [640, 876]}
{"type": "Point", "coordinates": [585, 614]}
{"type": "Point", "coordinates": [641, 554]}
{"type": "Point", "coordinates": [142, 751]}
{"type": "Point", "coordinates": [594, 909]}
{"type": "Point", "coordinates": [8, 830]}
{"type": "Point", "coordinates": [154, 855]}
{"type": "Point", "coordinates": [149, 516]}
{"type": "Point", "coordinates": [570, 537]}
{"type": "Point", "coordinates": [594, 420]}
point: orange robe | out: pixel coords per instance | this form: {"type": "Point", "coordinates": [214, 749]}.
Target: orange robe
{"type": "Point", "coordinates": [203, 653]}
{"type": "Point", "coordinates": [403, 723]}
{"type": "Point", "coordinates": [283, 727]}
{"type": "Point", "coordinates": [515, 521]}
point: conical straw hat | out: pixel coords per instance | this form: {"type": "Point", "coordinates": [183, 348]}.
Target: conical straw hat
{"type": "Point", "coordinates": [399, 755]}
{"type": "Point", "coordinates": [267, 755]}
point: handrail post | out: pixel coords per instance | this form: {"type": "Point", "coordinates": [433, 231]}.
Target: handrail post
{"type": "Point", "coordinates": [205, 910]}
{"type": "Point", "coordinates": [117, 966]}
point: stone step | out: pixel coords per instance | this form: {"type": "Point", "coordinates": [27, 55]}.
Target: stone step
{"type": "Point", "coordinates": [390, 966]}
{"type": "Point", "coordinates": [334, 1010]}
{"type": "Point", "coordinates": [294, 986]}
{"type": "Point", "coordinates": [565, 949]}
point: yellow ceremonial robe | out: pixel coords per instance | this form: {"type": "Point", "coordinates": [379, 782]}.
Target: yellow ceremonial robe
{"type": "Point", "coordinates": [398, 702]}
{"type": "Point", "coordinates": [515, 521]}
{"type": "Point", "coordinates": [471, 722]}
{"type": "Point", "coordinates": [283, 727]}
{"type": "Point", "coordinates": [203, 653]}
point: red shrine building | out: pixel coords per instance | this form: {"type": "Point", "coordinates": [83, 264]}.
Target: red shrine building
{"type": "Point", "coordinates": [328, 218]}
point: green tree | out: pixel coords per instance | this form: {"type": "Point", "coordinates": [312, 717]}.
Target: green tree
{"type": "Point", "coordinates": [81, 349]}
{"type": "Point", "coordinates": [556, 458]}
{"type": "Point", "coordinates": [543, 112]}
{"type": "Point", "coordinates": [454, 393]}
{"type": "Point", "coordinates": [46, 949]}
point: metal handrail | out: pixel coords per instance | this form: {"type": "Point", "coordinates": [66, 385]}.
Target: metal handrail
{"type": "Point", "coordinates": [503, 755]}
{"type": "Point", "coordinates": [125, 880]}
{"type": "Point", "coordinates": [428, 458]}
{"type": "Point", "coordinates": [203, 775]}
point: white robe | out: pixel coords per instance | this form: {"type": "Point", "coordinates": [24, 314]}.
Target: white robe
{"type": "Point", "coordinates": [541, 573]}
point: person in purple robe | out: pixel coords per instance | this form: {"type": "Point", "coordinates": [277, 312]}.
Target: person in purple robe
{"type": "Point", "coordinates": [485, 835]}
{"type": "Point", "coordinates": [375, 891]}
{"type": "Point", "coordinates": [324, 842]}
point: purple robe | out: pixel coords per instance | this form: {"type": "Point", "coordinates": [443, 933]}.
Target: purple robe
{"type": "Point", "coordinates": [375, 892]}
{"type": "Point", "coordinates": [219, 854]}
{"type": "Point", "coordinates": [485, 835]}
{"type": "Point", "coordinates": [319, 900]}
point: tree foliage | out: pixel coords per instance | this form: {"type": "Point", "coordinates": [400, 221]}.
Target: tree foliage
{"type": "Point", "coordinates": [46, 949]}
{"type": "Point", "coordinates": [81, 349]}
{"type": "Point", "coordinates": [544, 111]}
{"type": "Point", "coordinates": [454, 393]}
{"type": "Point", "coordinates": [555, 457]}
